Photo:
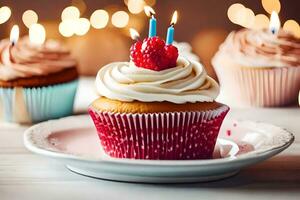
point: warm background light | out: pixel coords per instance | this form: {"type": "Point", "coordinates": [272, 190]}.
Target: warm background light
{"type": "Point", "coordinates": [80, 4]}
{"type": "Point", "coordinates": [99, 19]}
{"type": "Point", "coordinates": [72, 23]}
{"type": "Point", "coordinates": [82, 26]}
{"type": "Point", "coordinates": [29, 17]}
{"type": "Point", "coordinates": [71, 13]}
{"type": "Point", "coordinates": [120, 19]}
{"type": "Point", "coordinates": [293, 27]}
{"type": "Point", "coordinates": [239, 14]}
{"type": "Point", "coordinates": [245, 17]}
{"type": "Point", "coordinates": [271, 5]}
{"type": "Point", "coordinates": [66, 23]}
{"type": "Point", "coordinates": [146, 2]}
{"type": "Point", "coordinates": [261, 21]}
{"type": "Point", "coordinates": [233, 12]}
{"type": "Point", "coordinates": [66, 28]}
{"type": "Point", "coordinates": [37, 34]}
{"type": "Point", "coordinates": [136, 6]}
{"type": "Point", "coordinates": [5, 14]}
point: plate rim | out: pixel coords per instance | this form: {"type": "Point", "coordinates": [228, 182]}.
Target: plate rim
{"type": "Point", "coordinates": [29, 144]}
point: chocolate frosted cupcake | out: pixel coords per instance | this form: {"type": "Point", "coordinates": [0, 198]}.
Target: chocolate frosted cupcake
{"type": "Point", "coordinates": [258, 68]}
{"type": "Point", "coordinates": [36, 82]}
{"type": "Point", "coordinates": [160, 107]}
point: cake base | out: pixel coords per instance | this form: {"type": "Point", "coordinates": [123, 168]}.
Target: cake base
{"type": "Point", "coordinates": [107, 105]}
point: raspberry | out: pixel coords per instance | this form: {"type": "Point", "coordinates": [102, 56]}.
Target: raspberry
{"type": "Point", "coordinates": [171, 54]}
{"type": "Point", "coordinates": [153, 54]}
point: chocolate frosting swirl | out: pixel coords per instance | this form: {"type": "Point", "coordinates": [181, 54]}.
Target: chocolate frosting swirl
{"type": "Point", "coordinates": [257, 48]}
{"type": "Point", "coordinates": [27, 60]}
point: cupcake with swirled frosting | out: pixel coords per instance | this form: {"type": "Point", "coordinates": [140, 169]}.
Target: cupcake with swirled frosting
{"type": "Point", "coordinates": [37, 83]}
{"type": "Point", "coordinates": [157, 106]}
{"type": "Point", "coordinates": [258, 68]}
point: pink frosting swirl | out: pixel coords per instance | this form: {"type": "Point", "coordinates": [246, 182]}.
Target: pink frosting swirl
{"type": "Point", "coordinates": [257, 48]}
{"type": "Point", "coordinates": [26, 60]}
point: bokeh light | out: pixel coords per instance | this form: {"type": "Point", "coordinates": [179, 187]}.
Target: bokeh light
{"type": "Point", "coordinates": [82, 26]}
{"type": "Point", "coordinates": [271, 5]}
{"type": "Point", "coordinates": [239, 14]}
{"type": "Point", "coordinates": [247, 17]}
{"type": "Point", "coordinates": [135, 6]}
{"type": "Point", "coordinates": [37, 34]}
{"type": "Point", "coordinates": [70, 13]}
{"type": "Point", "coordinates": [293, 27]}
{"type": "Point", "coordinates": [99, 19]}
{"type": "Point", "coordinates": [66, 28]}
{"type": "Point", "coordinates": [29, 17]}
{"type": "Point", "coordinates": [234, 11]}
{"type": "Point", "coordinates": [120, 19]}
{"type": "Point", "coordinates": [261, 21]}
{"type": "Point", "coordinates": [69, 27]}
{"type": "Point", "coordinates": [5, 14]}
{"type": "Point", "coordinates": [146, 2]}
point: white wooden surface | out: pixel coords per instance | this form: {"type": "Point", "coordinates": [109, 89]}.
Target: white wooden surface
{"type": "Point", "coordinates": [24, 175]}
{"type": "Point", "coordinates": [27, 176]}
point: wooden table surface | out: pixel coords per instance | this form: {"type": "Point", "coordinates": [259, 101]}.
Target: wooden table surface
{"type": "Point", "coordinates": [24, 175]}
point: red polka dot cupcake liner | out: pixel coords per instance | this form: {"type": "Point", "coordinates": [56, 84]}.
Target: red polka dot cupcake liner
{"type": "Point", "coordinates": [159, 136]}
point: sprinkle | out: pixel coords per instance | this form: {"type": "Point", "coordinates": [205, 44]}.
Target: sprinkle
{"type": "Point", "coordinates": [228, 132]}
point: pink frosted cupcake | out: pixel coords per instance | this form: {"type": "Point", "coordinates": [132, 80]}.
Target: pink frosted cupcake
{"type": "Point", "coordinates": [258, 68]}
{"type": "Point", "coordinates": [157, 108]}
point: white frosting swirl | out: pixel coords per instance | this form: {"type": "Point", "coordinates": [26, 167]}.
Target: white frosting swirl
{"type": "Point", "coordinates": [187, 82]}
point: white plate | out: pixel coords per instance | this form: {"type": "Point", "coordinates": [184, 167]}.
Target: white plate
{"type": "Point", "coordinates": [74, 141]}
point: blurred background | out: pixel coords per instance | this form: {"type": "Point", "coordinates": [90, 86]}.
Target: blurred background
{"type": "Point", "coordinates": [97, 31]}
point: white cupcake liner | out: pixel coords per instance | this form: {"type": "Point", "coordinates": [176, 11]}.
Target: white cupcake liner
{"type": "Point", "coordinates": [258, 87]}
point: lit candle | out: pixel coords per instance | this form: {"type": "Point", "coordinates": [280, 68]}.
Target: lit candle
{"type": "Point", "coordinates": [152, 22]}
{"type": "Point", "coordinates": [170, 33]}
{"type": "Point", "coordinates": [274, 25]}
{"type": "Point", "coordinates": [37, 34]}
{"type": "Point", "coordinates": [14, 35]}
{"type": "Point", "coordinates": [134, 34]}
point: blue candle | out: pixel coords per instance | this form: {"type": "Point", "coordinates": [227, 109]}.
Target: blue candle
{"type": "Point", "coordinates": [152, 23]}
{"type": "Point", "coordinates": [171, 30]}
{"type": "Point", "coordinates": [170, 35]}
{"type": "Point", "coordinates": [152, 27]}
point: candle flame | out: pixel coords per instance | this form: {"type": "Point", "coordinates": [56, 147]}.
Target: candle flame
{"type": "Point", "coordinates": [134, 34]}
{"type": "Point", "coordinates": [274, 23]}
{"type": "Point", "coordinates": [37, 34]}
{"type": "Point", "coordinates": [14, 34]}
{"type": "Point", "coordinates": [174, 18]}
{"type": "Point", "coordinates": [149, 11]}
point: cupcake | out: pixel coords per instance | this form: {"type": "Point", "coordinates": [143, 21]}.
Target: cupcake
{"type": "Point", "coordinates": [258, 68]}
{"type": "Point", "coordinates": [157, 106]}
{"type": "Point", "coordinates": [37, 83]}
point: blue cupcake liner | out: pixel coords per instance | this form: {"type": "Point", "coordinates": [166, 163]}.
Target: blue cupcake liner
{"type": "Point", "coordinates": [30, 105]}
